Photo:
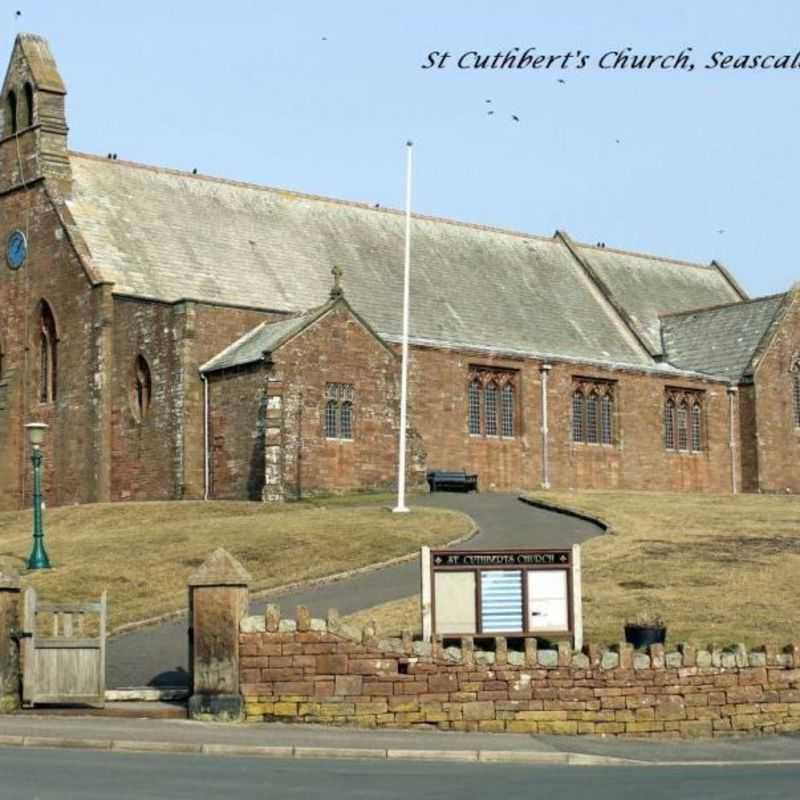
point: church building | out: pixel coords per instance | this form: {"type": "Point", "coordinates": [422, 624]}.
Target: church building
{"type": "Point", "coordinates": [185, 336]}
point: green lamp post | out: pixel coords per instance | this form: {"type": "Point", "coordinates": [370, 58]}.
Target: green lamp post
{"type": "Point", "coordinates": [38, 558]}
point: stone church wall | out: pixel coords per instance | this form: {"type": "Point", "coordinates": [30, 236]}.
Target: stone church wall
{"type": "Point", "coordinates": [161, 456]}
{"type": "Point", "coordinates": [51, 272]}
{"type": "Point", "coordinates": [338, 349]}
{"type": "Point", "coordinates": [777, 437]}
{"type": "Point", "coordinates": [237, 399]}
{"type": "Point", "coordinates": [636, 460]}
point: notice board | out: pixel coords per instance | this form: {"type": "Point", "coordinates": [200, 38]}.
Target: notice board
{"type": "Point", "coordinates": [502, 593]}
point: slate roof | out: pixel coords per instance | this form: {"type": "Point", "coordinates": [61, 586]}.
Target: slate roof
{"type": "Point", "coordinates": [264, 338]}
{"type": "Point", "coordinates": [647, 287]}
{"type": "Point", "coordinates": [720, 341]}
{"type": "Point", "coordinates": [167, 235]}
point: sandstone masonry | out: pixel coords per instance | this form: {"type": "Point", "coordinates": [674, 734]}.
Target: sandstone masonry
{"type": "Point", "coordinates": [323, 671]}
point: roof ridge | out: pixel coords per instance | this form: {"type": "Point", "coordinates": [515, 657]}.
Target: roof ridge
{"type": "Point", "coordinates": [697, 310]}
{"type": "Point", "coordinates": [309, 196]}
{"type": "Point", "coordinates": [678, 261]}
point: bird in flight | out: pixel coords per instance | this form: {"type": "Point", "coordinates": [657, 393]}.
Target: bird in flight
{"type": "Point", "coordinates": [617, 140]}
{"type": "Point", "coordinates": [721, 230]}
{"type": "Point", "coordinates": [515, 117]}
{"type": "Point", "coordinates": [324, 38]}
{"type": "Point", "coordinates": [561, 80]}
{"type": "Point", "coordinates": [489, 113]}
{"type": "Point", "coordinates": [488, 101]}
{"type": "Point", "coordinates": [18, 14]}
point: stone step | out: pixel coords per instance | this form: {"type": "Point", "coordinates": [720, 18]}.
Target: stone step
{"type": "Point", "coordinates": [123, 709]}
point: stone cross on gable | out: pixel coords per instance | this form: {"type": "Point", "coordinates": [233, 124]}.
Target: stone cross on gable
{"type": "Point", "coordinates": [336, 289]}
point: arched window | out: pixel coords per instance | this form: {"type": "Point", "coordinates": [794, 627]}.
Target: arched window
{"type": "Point", "coordinates": [142, 389]}
{"type": "Point", "coordinates": [683, 426]}
{"type": "Point", "coordinates": [27, 117]}
{"type": "Point", "coordinates": [669, 425]}
{"type": "Point", "coordinates": [331, 418]}
{"type": "Point", "coordinates": [606, 419]}
{"type": "Point", "coordinates": [48, 354]}
{"type": "Point", "coordinates": [796, 393]}
{"type": "Point", "coordinates": [697, 427]}
{"type": "Point", "coordinates": [346, 420]}
{"type": "Point", "coordinates": [474, 407]}
{"type": "Point", "coordinates": [2, 361]}
{"type": "Point", "coordinates": [578, 429]}
{"type": "Point", "coordinates": [490, 408]}
{"type": "Point", "coordinates": [507, 410]}
{"type": "Point", "coordinates": [591, 418]}
{"type": "Point", "coordinates": [11, 110]}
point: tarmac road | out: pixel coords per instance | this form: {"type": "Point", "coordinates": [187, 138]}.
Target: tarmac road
{"type": "Point", "coordinates": [157, 655]}
{"type": "Point", "coordinates": [90, 775]}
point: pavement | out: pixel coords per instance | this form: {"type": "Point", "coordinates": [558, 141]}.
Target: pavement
{"type": "Point", "coordinates": [287, 741]}
{"type": "Point", "coordinates": [157, 655]}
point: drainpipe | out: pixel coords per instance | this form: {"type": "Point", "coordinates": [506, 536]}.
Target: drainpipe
{"type": "Point", "coordinates": [544, 369]}
{"type": "Point", "coordinates": [204, 378]}
{"type": "Point", "coordinates": [732, 391]}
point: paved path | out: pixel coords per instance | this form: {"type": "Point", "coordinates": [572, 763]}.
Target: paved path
{"type": "Point", "coordinates": [157, 655]}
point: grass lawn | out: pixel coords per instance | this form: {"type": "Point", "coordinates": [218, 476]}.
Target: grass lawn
{"type": "Point", "coordinates": [717, 568]}
{"type": "Point", "coordinates": [143, 553]}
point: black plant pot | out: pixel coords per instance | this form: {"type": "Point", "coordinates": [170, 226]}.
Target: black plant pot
{"type": "Point", "coordinates": [643, 635]}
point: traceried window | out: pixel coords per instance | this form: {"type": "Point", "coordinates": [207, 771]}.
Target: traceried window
{"type": "Point", "coordinates": [591, 418]}
{"type": "Point", "coordinates": [669, 424]}
{"type": "Point", "coordinates": [491, 402]}
{"type": "Point", "coordinates": [683, 433]}
{"type": "Point", "coordinates": [474, 410]}
{"type": "Point", "coordinates": [697, 427]}
{"type": "Point", "coordinates": [606, 419]}
{"type": "Point", "coordinates": [593, 411]}
{"type": "Point", "coordinates": [578, 428]}
{"type": "Point", "coordinates": [346, 420]}
{"type": "Point", "coordinates": [507, 428]}
{"type": "Point", "coordinates": [683, 420]}
{"type": "Point", "coordinates": [142, 389]}
{"type": "Point", "coordinates": [490, 408]}
{"type": "Point", "coordinates": [796, 393]}
{"type": "Point", "coordinates": [331, 409]}
{"type": "Point", "coordinates": [48, 354]}
{"type": "Point", "coordinates": [339, 411]}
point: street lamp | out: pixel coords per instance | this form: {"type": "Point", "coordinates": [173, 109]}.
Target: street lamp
{"type": "Point", "coordinates": [38, 558]}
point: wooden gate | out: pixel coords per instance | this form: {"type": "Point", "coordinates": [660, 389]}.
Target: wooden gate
{"type": "Point", "coordinates": [64, 658]}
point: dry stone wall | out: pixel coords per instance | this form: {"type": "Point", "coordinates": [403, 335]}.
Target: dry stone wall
{"type": "Point", "coordinates": [324, 671]}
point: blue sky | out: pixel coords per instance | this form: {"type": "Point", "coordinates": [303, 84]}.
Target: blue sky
{"type": "Point", "coordinates": [321, 96]}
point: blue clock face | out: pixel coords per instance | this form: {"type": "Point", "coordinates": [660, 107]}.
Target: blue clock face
{"type": "Point", "coordinates": [16, 250]}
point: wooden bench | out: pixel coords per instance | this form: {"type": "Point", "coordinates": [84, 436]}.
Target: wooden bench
{"type": "Point", "coordinates": [452, 480]}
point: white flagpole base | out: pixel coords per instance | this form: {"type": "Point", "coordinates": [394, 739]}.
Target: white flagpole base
{"type": "Point", "coordinates": [400, 510]}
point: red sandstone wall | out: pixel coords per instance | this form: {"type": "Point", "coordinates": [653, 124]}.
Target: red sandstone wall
{"type": "Point", "coordinates": [52, 272]}
{"type": "Point", "coordinates": [778, 440]}
{"type": "Point", "coordinates": [291, 672]}
{"type": "Point", "coordinates": [237, 399]}
{"type": "Point", "coordinates": [438, 403]}
{"type": "Point", "coordinates": [162, 456]}
{"type": "Point", "coordinates": [338, 349]}
{"type": "Point", "coordinates": [637, 460]}
{"type": "Point", "coordinates": [144, 452]}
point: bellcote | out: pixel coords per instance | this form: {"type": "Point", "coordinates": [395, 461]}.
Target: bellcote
{"type": "Point", "coordinates": [32, 112]}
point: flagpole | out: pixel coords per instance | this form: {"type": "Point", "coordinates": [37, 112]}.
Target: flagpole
{"type": "Point", "coordinates": [401, 467]}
